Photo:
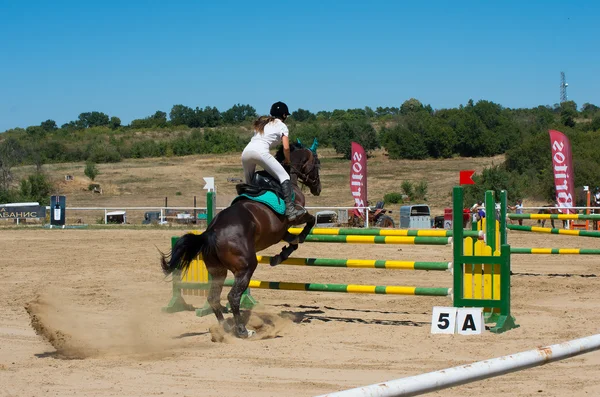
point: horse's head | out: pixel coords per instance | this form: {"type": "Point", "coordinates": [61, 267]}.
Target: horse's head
{"type": "Point", "coordinates": [306, 166]}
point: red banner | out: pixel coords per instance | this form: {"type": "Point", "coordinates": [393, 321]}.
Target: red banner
{"type": "Point", "coordinates": [358, 177]}
{"type": "Point", "coordinates": [562, 167]}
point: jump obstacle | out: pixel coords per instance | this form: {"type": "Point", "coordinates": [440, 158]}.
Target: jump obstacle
{"type": "Point", "coordinates": [568, 232]}
{"type": "Point", "coordinates": [571, 232]}
{"type": "Point", "coordinates": [564, 217]}
{"type": "Point", "coordinates": [481, 270]}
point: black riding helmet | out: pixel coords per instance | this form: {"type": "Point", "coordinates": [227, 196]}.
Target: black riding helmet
{"type": "Point", "coordinates": [279, 110]}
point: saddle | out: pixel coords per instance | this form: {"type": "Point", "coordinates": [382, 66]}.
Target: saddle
{"type": "Point", "coordinates": [262, 182]}
{"type": "Point", "coordinates": [264, 189]}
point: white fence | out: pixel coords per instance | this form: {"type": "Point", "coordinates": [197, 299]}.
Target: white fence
{"type": "Point", "coordinates": [163, 218]}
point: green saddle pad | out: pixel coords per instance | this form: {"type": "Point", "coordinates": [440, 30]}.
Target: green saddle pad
{"type": "Point", "coordinates": [268, 198]}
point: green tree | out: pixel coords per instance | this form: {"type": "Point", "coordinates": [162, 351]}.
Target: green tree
{"type": "Point", "coordinates": [440, 138]}
{"type": "Point", "coordinates": [303, 115]}
{"type": "Point", "coordinates": [567, 117]}
{"type": "Point", "coordinates": [596, 123]}
{"type": "Point", "coordinates": [93, 119]}
{"type": "Point", "coordinates": [49, 125]}
{"type": "Point", "coordinates": [181, 115]}
{"type": "Point", "coordinates": [91, 170]}
{"type": "Point", "coordinates": [589, 110]}
{"type": "Point", "coordinates": [211, 117]}
{"type": "Point", "coordinates": [387, 111]}
{"type": "Point", "coordinates": [404, 143]}
{"type": "Point", "coordinates": [568, 113]}
{"type": "Point", "coordinates": [114, 123]}
{"type": "Point", "coordinates": [37, 188]}
{"type": "Point", "coordinates": [102, 152]}
{"type": "Point", "coordinates": [11, 154]}
{"type": "Point", "coordinates": [159, 119]}
{"type": "Point", "coordinates": [71, 126]}
{"type": "Point", "coordinates": [138, 124]}
{"type": "Point", "coordinates": [410, 106]}
{"type": "Point", "coordinates": [345, 133]}
{"type": "Point", "coordinates": [306, 132]}
{"type": "Point", "coordinates": [239, 113]}
{"type": "Point", "coordinates": [323, 115]}
{"type": "Point", "coordinates": [35, 131]}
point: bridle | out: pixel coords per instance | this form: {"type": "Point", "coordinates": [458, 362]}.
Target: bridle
{"type": "Point", "coordinates": [304, 176]}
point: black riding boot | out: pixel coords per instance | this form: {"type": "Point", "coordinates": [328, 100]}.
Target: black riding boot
{"type": "Point", "coordinates": [290, 208]}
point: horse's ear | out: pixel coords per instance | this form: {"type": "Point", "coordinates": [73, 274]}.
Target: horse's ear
{"type": "Point", "coordinates": [298, 142]}
{"type": "Point", "coordinates": [314, 146]}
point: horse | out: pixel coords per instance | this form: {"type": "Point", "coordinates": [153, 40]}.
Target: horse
{"type": "Point", "coordinates": [548, 210]}
{"type": "Point", "coordinates": [236, 234]}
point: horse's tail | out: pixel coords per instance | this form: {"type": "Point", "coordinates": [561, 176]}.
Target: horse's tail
{"type": "Point", "coordinates": [186, 249]}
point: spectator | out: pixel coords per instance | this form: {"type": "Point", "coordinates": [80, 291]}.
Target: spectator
{"type": "Point", "coordinates": [518, 208]}
{"type": "Point", "coordinates": [478, 211]}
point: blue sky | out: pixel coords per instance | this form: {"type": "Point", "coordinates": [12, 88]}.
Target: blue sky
{"type": "Point", "coordinates": [131, 58]}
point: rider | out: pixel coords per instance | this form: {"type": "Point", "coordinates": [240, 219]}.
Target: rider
{"type": "Point", "coordinates": [269, 131]}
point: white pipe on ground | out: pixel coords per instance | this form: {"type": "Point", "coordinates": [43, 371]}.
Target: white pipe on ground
{"type": "Point", "coordinates": [438, 380]}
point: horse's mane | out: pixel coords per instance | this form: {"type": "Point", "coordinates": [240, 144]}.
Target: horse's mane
{"type": "Point", "coordinates": [279, 156]}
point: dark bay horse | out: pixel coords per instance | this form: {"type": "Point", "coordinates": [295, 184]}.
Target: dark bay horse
{"type": "Point", "coordinates": [237, 233]}
{"type": "Point", "coordinates": [548, 210]}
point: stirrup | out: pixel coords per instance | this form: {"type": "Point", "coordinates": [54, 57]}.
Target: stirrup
{"type": "Point", "coordinates": [295, 213]}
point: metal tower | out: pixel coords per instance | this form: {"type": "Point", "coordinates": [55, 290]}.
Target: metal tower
{"type": "Point", "coordinates": [563, 88]}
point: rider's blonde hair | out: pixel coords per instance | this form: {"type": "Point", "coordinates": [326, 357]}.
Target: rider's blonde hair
{"type": "Point", "coordinates": [261, 122]}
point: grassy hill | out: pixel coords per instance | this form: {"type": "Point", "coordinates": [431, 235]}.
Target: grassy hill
{"type": "Point", "coordinates": [147, 182]}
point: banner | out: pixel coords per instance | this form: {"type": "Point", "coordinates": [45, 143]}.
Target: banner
{"type": "Point", "coordinates": [562, 168]}
{"type": "Point", "coordinates": [22, 211]}
{"type": "Point", "coordinates": [358, 177]}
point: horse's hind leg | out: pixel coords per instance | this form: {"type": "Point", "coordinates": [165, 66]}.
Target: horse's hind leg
{"type": "Point", "coordinates": [240, 284]}
{"type": "Point", "coordinates": [218, 275]}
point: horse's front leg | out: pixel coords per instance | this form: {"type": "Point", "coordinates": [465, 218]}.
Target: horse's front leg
{"type": "Point", "coordinates": [293, 240]}
{"type": "Point", "coordinates": [309, 222]}
{"type": "Point", "coordinates": [285, 253]}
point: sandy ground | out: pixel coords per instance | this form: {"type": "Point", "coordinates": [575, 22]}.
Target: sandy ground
{"type": "Point", "coordinates": [100, 292]}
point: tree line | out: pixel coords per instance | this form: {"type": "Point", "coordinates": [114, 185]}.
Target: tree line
{"type": "Point", "coordinates": [411, 131]}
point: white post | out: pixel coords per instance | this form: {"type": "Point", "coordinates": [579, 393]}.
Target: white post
{"type": "Point", "coordinates": [433, 381]}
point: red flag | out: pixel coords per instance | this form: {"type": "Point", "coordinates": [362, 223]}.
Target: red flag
{"type": "Point", "coordinates": [358, 177]}
{"type": "Point", "coordinates": [562, 167]}
{"type": "Point", "coordinates": [466, 177]}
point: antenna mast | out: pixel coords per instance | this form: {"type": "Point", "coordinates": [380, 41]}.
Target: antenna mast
{"type": "Point", "coordinates": [563, 88]}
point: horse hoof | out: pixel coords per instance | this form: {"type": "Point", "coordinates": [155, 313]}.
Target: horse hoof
{"type": "Point", "coordinates": [245, 334]}
{"type": "Point", "coordinates": [276, 260]}
{"type": "Point", "coordinates": [226, 327]}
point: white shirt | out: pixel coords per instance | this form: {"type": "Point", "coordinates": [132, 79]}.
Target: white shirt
{"type": "Point", "coordinates": [271, 136]}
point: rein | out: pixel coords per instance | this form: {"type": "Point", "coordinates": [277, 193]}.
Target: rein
{"type": "Point", "coordinates": [304, 177]}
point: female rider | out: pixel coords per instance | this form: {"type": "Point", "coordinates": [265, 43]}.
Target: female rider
{"type": "Point", "coordinates": [268, 132]}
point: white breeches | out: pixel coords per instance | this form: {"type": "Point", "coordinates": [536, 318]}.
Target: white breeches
{"type": "Point", "coordinates": [251, 157]}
